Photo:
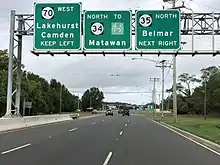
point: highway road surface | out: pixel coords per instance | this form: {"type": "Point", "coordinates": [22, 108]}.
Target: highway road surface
{"type": "Point", "coordinates": [103, 140]}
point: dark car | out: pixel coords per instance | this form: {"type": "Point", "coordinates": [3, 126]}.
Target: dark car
{"type": "Point", "coordinates": [109, 112]}
{"type": "Point", "coordinates": [125, 112]}
{"type": "Point", "coordinates": [119, 111]}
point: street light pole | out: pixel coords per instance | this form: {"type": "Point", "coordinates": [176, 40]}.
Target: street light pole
{"type": "Point", "coordinates": [174, 89]}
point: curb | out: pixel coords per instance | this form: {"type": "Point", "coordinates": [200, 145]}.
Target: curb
{"type": "Point", "coordinates": [201, 140]}
{"type": "Point", "coordinates": [211, 146]}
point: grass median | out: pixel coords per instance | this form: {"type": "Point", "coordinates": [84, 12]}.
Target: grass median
{"type": "Point", "coordinates": [208, 129]}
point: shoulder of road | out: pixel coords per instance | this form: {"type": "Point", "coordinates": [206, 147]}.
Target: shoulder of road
{"type": "Point", "coordinates": [194, 128]}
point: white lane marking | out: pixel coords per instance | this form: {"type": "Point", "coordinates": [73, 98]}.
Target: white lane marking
{"type": "Point", "coordinates": [93, 122]}
{"type": "Point", "coordinates": [187, 138]}
{"type": "Point", "coordinates": [71, 130]}
{"type": "Point", "coordinates": [117, 139]}
{"type": "Point", "coordinates": [108, 158]}
{"type": "Point", "coordinates": [121, 132]}
{"type": "Point", "coordinates": [126, 125]}
{"type": "Point", "coordinates": [103, 120]}
{"type": "Point", "coordinates": [17, 148]}
{"type": "Point", "coordinates": [49, 137]}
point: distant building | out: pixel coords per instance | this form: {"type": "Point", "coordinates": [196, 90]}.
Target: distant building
{"type": "Point", "coordinates": [112, 107]}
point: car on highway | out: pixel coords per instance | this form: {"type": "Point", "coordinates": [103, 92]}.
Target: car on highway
{"type": "Point", "coordinates": [125, 112]}
{"type": "Point", "coordinates": [94, 111]}
{"type": "Point", "coordinates": [109, 112]}
{"type": "Point", "coordinates": [119, 111]}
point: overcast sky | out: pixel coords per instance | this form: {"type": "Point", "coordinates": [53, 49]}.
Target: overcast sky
{"type": "Point", "coordinates": [79, 73]}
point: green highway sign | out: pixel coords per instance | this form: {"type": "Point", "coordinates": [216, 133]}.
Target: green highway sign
{"type": "Point", "coordinates": [150, 107]}
{"type": "Point", "coordinates": [107, 30]}
{"type": "Point", "coordinates": [57, 26]}
{"type": "Point", "coordinates": [158, 29]}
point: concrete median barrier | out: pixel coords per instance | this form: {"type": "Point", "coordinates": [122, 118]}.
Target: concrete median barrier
{"type": "Point", "coordinates": [28, 121]}
{"type": "Point", "coordinates": [11, 123]}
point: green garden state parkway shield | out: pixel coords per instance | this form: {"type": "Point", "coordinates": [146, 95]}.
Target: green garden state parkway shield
{"type": "Point", "coordinates": [107, 30]}
{"type": "Point", "coordinates": [57, 26]}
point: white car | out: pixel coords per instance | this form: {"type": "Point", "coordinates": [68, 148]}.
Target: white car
{"type": "Point", "coordinates": [94, 111]}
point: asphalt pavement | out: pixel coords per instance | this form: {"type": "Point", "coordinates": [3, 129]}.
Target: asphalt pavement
{"type": "Point", "coordinates": [103, 140]}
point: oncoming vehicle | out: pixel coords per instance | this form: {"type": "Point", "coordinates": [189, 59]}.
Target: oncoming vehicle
{"type": "Point", "coordinates": [125, 112]}
{"type": "Point", "coordinates": [109, 112]}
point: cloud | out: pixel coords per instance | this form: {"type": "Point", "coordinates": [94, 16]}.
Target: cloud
{"type": "Point", "coordinates": [78, 72]}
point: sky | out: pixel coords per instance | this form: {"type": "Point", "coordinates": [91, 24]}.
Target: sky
{"type": "Point", "coordinates": [120, 78]}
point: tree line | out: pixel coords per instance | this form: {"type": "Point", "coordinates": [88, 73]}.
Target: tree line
{"type": "Point", "coordinates": [45, 96]}
{"type": "Point", "coordinates": [203, 99]}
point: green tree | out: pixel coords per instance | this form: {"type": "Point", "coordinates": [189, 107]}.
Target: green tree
{"type": "Point", "coordinates": [92, 98]}
{"type": "Point", "coordinates": [44, 95]}
{"type": "Point", "coordinates": [3, 80]}
{"type": "Point", "coordinates": [185, 102]}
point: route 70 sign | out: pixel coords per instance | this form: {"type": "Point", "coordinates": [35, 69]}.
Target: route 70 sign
{"type": "Point", "coordinates": [57, 26]}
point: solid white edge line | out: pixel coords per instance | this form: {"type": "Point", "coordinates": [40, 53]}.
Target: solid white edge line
{"type": "Point", "coordinates": [187, 138]}
{"type": "Point", "coordinates": [17, 148]}
{"type": "Point", "coordinates": [108, 158]}
{"type": "Point", "coordinates": [121, 132]}
{"type": "Point", "coordinates": [73, 129]}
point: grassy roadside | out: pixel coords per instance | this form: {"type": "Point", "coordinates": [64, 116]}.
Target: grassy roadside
{"type": "Point", "coordinates": [208, 129]}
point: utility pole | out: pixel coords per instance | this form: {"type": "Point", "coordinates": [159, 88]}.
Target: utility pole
{"type": "Point", "coordinates": [78, 101]}
{"type": "Point", "coordinates": [205, 116]}
{"type": "Point", "coordinates": [159, 102]}
{"type": "Point", "coordinates": [60, 98]}
{"type": "Point", "coordinates": [154, 80]}
{"type": "Point", "coordinates": [163, 66]}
